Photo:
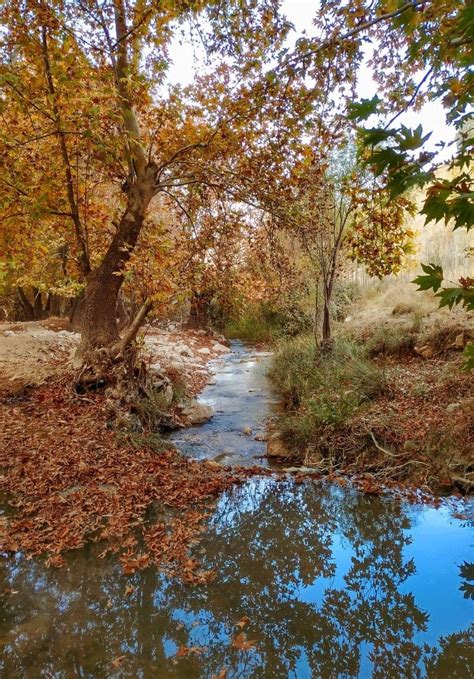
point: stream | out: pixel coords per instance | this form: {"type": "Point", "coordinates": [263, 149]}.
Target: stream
{"type": "Point", "coordinates": [313, 580]}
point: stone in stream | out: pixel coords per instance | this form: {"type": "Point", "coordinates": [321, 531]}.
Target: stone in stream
{"type": "Point", "coordinates": [276, 446]}
{"type": "Point", "coordinates": [221, 348]}
{"type": "Point", "coordinates": [213, 464]}
{"type": "Point", "coordinates": [197, 413]}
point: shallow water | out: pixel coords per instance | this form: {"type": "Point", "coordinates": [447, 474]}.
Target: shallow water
{"type": "Point", "coordinates": [240, 393]}
{"type": "Point", "coordinates": [334, 585]}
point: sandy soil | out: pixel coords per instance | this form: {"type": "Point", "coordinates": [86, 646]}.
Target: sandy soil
{"type": "Point", "coordinates": [33, 352]}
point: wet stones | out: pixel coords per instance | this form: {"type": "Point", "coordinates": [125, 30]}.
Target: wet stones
{"type": "Point", "coordinates": [276, 447]}
{"type": "Point", "coordinates": [197, 413]}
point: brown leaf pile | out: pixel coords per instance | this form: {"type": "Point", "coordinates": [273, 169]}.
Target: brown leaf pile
{"type": "Point", "coordinates": [69, 481]}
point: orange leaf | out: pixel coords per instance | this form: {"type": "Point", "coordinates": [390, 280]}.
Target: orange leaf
{"type": "Point", "coordinates": [241, 642]}
{"type": "Point", "coordinates": [243, 621]}
{"type": "Point", "coordinates": [118, 661]}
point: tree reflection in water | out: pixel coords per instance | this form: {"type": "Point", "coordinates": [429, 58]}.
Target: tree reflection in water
{"type": "Point", "coordinates": [320, 572]}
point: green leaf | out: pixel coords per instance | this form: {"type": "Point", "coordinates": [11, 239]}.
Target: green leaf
{"type": "Point", "coordinates": [452, 296]}
{"type": "Point", "coordinates": [433, 278]}
{"type": "Point", "coordinates": [363, 109]}
{"type": "Point", "coordinates": [375, 135]}
{"type": "Point", "coordinates": [412, 139]}
{"type": "Point", "coordinates": [468, 355]}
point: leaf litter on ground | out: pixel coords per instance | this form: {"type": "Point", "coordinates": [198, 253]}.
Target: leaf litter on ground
{"type": "Point", "coordinates": [69, 480]}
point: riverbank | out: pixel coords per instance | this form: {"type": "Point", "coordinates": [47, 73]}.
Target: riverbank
{"type": "Point", "coordinates": [74, 472]}
{"type": "Point", "coordinates": [72, 475]}
{"type": "Point", "coordinates": [31, 353]}
{"type": "Point", "coordinates": [390, 403]}
{"type": "Point", "coordinates": [70, 479]}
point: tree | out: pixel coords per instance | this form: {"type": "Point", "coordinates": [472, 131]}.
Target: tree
{"type": "Point", "coordinates": [61, 52]}
{"type": "Point", "coordinates": [423, 51]}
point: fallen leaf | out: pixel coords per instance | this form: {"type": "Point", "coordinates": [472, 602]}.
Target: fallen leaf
{"type": "Point", "coordinates": [243, 621]}
{"type": "Point", "coordinates": [117, 661]}
{"type": "Point", "coordinates": [222, 674]}
{"type": "Point", "coordinates": [242, 643]}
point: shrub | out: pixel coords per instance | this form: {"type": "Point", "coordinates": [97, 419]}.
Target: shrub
{"type": "Point", "coordinates": [396, 339]}
{"type": "Point", "coordinates": [322, 390]}
{"type": "Point", "coordinates": [264, 323]}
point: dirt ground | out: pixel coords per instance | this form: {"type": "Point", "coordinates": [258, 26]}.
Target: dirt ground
{"type": "Point", "coordinates": [33, 352]}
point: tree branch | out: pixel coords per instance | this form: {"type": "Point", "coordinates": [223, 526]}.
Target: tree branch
{"type": "Point", "coordinates": [122, 73]}
{"type": "Point", "coordinates": [83, 257]}
{"type": "Point", "coordinates": [133, 328]}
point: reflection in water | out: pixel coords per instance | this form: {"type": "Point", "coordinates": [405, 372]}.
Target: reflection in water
{"type": "Point", "coordinates": [334, 584]}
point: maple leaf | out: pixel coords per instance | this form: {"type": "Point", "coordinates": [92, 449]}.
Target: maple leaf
{"type": "Point", "coordinates": [243, 622]}
{"type": "Point", "coordinates": [242, 643]}
{"type": "Point", "coordinates": [117, 662]}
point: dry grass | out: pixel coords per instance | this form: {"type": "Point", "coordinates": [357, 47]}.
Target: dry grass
{"type": "Point", "coordinates": [393, 318]}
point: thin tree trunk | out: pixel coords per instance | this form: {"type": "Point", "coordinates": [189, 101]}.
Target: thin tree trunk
{"type": "Point", "coordinates": [83, 259]}
{"type": "Point", "coordinates": [316, 315]}
{"type": "Point", "coordinates": [326, 323]}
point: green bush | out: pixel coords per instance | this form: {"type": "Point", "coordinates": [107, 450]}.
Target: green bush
{"type": "Point", "coordinates": [263, 323]}
{"type": "Point", "coordinates": [321, 390]}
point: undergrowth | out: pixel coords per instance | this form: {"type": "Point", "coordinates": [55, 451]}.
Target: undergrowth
{"type": "Point", "coordinates": [396, 339]}
{"type": "Point", "coordinates": [321, 390]}
{"type": "Point", "coordinates": [263, 323]}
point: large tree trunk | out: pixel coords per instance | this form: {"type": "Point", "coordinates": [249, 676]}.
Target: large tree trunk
{"type": "Point", "coordinates": [26, 305]}
{"type": "Point", "coordinates": [98, 314]}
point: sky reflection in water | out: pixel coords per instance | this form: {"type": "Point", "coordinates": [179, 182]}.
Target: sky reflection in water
{"type": "Point", "coordinates": [335, 584]}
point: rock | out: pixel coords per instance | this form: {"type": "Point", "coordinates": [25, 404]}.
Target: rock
{"type": "Point", "coordinates": [212, 464]}
{"type": "Point", "coordinates": [221, 348]}
{"type": "Point", "coordinates": [460, 341]}
{"type": "Point", "coordinates": [221, 456]}
{"type": "Point", "coordinates": [276, 446]}
{"type": "Point", "coordinates": [205, 351]}
{"type": "Point", "coordinates": [186, 351]}
{"type": "Point", "coordinates": [425, 351]}
{"type": "Point", "coordinates": [201, 332]}
{"type": "Point", "coordinates": [9, 333]}
{"type": "Point", "coordinates": [247, 431]}
{"type": "Point", "coordinates": [452, 407]}
{"type": "Point", "coordinates": [261, 437]}
{"type": "Point", "coordinates": [197, 413]}
{"type": "Point", "coordinates": [301, 470]}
